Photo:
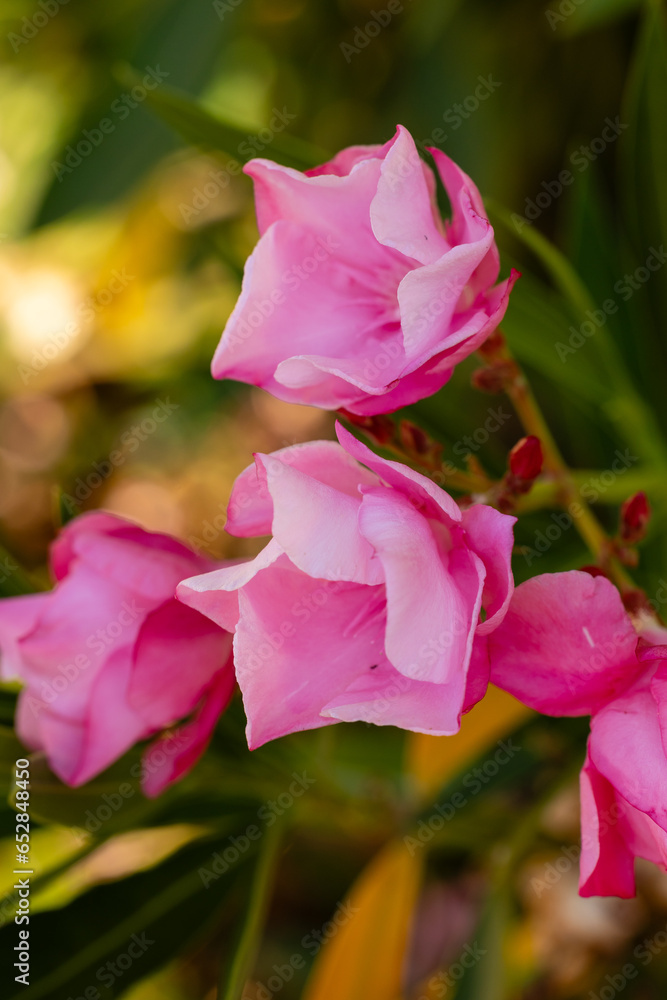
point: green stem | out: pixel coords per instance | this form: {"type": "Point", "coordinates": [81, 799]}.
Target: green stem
{"type": "Point", "coordinates": [566, 491]}
{"type": "Point", "coordinates": [233, 981]}
{"type": "Point", "coordinates": [637, 416]}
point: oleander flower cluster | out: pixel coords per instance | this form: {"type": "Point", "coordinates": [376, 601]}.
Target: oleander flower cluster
{"type": "Point", "coordinates": [378, 597]}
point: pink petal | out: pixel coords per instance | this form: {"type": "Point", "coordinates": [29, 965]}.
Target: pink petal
{"type": "Point", "coordinates": [422, 492]}
{"type": "Point", "coordinates": [408, 389]}
{"type": "Point", "coordinates": [469, 221]}
{"type": "Point", "coordinates": [659, 690]}
{"type": "Point", "coordinates": [490, 535]}
{"type": "Point", "coordinates": [429, 296]}
{"type": "Point", "coordinates": [215, 594]}
{"type": "Point", "coordinates": [566, 645]}
{"type": "Point", "coordinates": [332, 206]}
{"type": "Point", "coordinates": [67, 546]}
{"type": "Point", "coordinates": [171, 756]}
{"type": "Point", "coordinates": [606, 862]}
{"type": "Point", "coordinates": [333, 383]}
{"type": "Point", "coordinates": [342, 163]}
{"type": "Point", "coordinates": [18, 617]}
{"type": "Point", "coordinates": [81, 745]}
{"type": "Point", "coordinates": [385, 697]}
{"type": "Point", "coordinates": [404, 213]}
{"type": "Point", "coordinates": [299, 294]}
{"type": "Point", "coordinates": [626, 747]}
{"type": "Point", "coordinates": [80, 623]}
{"type": "Point", "coordinates": [145, 562]}
{"type": "Point", "coordinates": [298, 644]}
{"type": "Point", "coordinates": [177, 654]}
{"type": "Point", "coordinates": [316, 525]}
{"type": "Point", "coordinates": [469, 328]}
{"type": "Point", "coordinates": [251, 507]}
{"type": "Point", "coordinates": [433, 596]}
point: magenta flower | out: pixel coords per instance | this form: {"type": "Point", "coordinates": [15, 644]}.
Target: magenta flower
{"type": "Point", "coordinates": [365, 603]}
{"type": "Point", "coordinates": [623, 800]}
{"type": "Point", "coordinates": [567, 647]}
{"type": "Point", "coordinates": [357, 294]}
{"type": "Point", "coordinates": [110, 657]}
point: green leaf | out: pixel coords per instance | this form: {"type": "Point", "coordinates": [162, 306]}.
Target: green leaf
{"type": "Point", "coordinates": [117, 790]}
{"type": "Point", "coordinates": [10, 750]}
{"type": "Point", "coordinates": [14, 581]}
{"type": "Point", "coordinates": [644, 145]}
{"type": "Point", "coordinates": [8, 698]}
{"type": "Point", "coordinates": [483, 979]}
{"type": "Point", "coordinates": [154, 915]}
{"type": "Point", "coordinates": [588, 16]}
{"type": "Point", "coordinates": [234, 978]}
{"type": "Point", "coordinates": [643, 171]}
{"type": "Point", "coordinates": [198, 126]}
{"type": "Point", "coordinates": [537, 320]}
{"type": "Point", "coordinates": [623, 404]}
{"type": "Point", "coordinates": [542, 750]}
{"type": "Point", "coordinates": [182, 37]}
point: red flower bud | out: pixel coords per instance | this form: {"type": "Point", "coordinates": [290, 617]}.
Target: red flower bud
{"type": "Point", "coordinates": [380, 428]}
{"type": "Point", "coordinates": [488, 379]}
{"type": "Point", "coordinates": [593, 570]}
{"type": "Point", "coordinates": [526, 458]}
{"type": "Point", "coordinates": [492, 346]}
{"type": "Point", "coordinates": [635, 515]}
{"type": "Point", "coordinates": [414, 439]}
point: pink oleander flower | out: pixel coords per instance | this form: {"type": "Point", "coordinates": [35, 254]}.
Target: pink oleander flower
{"type": "Point", "coordinates": [567, 647]}
{"type": "Point", "coordinates": [110, 657]}
{"type": "Point", "coordinates": [365, 603]}
{"type": "Point", "coordinates": [358, 295]}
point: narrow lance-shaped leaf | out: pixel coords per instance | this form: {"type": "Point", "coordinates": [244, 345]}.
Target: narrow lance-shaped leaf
{"type": "Point", "coordinates": [198, 126]}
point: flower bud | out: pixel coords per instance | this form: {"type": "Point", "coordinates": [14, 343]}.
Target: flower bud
{"type": "Point", "coordinates": [492, 346]}
{"type": "Point", "coordinates": [592, 570]}
{"type": "Point", "coordinates": [489, 379]}
{"type": "Point", "coordinates": [525, 460]}
{"type": "Point", "coordinates": [414, 439]}
{"type": "Point", "coordinates": [380, 428]}
{"type": "Point", "coordinates": [635, 515]}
